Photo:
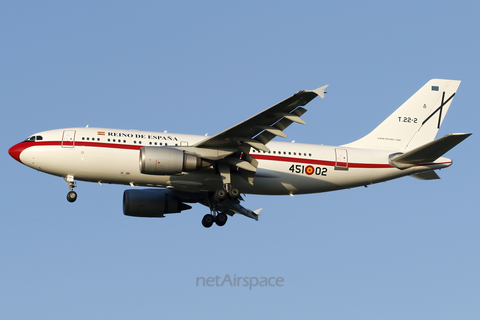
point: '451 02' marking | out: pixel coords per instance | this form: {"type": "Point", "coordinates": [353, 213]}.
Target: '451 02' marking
{"type": "Point", "coordinates": [299, 168]}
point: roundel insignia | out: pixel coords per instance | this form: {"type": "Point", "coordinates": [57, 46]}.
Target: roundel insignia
{"type": "Point", "coordinates": [309, 170]}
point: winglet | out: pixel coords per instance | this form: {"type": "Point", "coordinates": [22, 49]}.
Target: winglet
{"type": "Point", "coordinates": [320, 91]}
{"type": "Point", "coordinates": [257, 212]}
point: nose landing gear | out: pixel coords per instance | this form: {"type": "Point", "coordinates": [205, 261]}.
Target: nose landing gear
{"type": "Point", "coordinates": [71, 195]}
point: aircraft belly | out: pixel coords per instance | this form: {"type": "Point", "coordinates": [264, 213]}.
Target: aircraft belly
{"type": "Point", "coordinates": [282, 183]}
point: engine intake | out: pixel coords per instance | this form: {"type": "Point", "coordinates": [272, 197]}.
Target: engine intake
{"type": "Point", "coordinates": [151, 203]}
{"type": "Point", "coordinates": [164, 160]}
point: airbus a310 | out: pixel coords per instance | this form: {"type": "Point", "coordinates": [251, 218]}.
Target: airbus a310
{"type": "Point", "coordinates": [216, 170]}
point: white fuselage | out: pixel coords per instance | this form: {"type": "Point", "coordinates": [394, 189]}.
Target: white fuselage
{"type": "Point", "coordinates": [112, 156]}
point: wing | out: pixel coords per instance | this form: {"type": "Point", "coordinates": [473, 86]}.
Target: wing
{"type": "Point", "coordinates": [260, 129]}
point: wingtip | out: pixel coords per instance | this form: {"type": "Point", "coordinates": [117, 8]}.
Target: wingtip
{"type": "Point", "coordinates": [321, 91]}
{"type": "Point", "coordinates": [257, 212]}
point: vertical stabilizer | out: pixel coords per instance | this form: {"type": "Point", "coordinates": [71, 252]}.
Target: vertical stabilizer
{"type": "Point", "coordinates": [416, 122]}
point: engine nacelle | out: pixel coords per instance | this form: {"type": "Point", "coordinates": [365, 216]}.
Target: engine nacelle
{"type": "Point", "coordinates": [151, 203]}
{"type": "Point", "coordinates": [164, 160]}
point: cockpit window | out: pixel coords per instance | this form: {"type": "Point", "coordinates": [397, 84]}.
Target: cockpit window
{"type": "Point", "coordinates": [33, 139]}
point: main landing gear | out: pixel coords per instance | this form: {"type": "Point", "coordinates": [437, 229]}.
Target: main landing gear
{"type": "Point", "coordinates": [218, 217]}
{"type": "Point", "coordinates": [71, 195]}
{"type": "Point", "coordinates": [221, 194]}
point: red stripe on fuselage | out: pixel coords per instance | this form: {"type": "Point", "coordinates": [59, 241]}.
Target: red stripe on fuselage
{"type": "Point", "coordinates": [17, 149]}
{"type": "Point", "coordinates": [318, 162]}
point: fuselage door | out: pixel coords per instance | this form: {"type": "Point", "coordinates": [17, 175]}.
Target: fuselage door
{"type": "Point", "coordinates": [341, 159]}
{"type": "Point", "coordinates": [68, 139]}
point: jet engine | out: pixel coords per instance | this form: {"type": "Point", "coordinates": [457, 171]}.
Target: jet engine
{"type": "Point", "coordinates": [151, 203]}
{"type": "Point", "coordinates": [164, 160]}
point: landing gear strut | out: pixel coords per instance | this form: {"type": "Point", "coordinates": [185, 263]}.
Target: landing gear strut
{"type": "Point", "coordinates": [216, 216]}
{"type": "Point", "coordinates": [71, 195]}
{"type": "Point", "coordinates": [219, 196]}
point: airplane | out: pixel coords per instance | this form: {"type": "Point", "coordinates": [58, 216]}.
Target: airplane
{"type": "Point", "coordinates": [216, 170]}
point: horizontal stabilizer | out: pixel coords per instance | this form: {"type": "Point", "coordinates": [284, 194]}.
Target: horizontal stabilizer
{"type": "Point", "coordinates": [427, 175]}
{"type": "Point", "coordinates": [428, 152]}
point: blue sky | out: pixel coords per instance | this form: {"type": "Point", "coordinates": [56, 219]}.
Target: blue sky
{"type": "Point", "coordinates": [404, 249]}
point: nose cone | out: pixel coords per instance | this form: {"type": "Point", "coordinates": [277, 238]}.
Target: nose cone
{"type": "Point", "coordinates": [16, 150]}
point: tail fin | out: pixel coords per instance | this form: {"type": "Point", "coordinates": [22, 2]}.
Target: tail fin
{"type": "Point", "coordinates": [416, 122]}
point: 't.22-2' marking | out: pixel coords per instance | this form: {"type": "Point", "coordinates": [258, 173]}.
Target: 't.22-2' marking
{"type": "Point", "coordinates": [407, 119]}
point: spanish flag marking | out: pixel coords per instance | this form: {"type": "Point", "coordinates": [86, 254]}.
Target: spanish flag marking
{"type": "Point", "coordinates": [309, 170]}
{"type": "Point", "coordinates": [100, 133]}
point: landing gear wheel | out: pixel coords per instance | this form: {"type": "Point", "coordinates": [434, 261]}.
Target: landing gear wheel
{"type": "Point", "coordinates": [220, 195]}
{"type": "Point", "coordinates": [234, 193]}
{"type": "Point", "coordinates": [207, 220]}
{"type": "Point", "coordinates": [71, 196]}
{"type": "Point", "coordinates": [221, 219]}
